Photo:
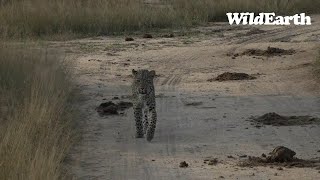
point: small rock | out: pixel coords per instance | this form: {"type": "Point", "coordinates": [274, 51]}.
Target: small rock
{"type": "Point", "coordinates": [276, 174]}
{"type": "Point", "coordinates": [221, 177]}
{"type": "Point", "coordinates": [231, 157]}
{"type": "Point", "coordinates": [243, 156]}
{"type": "Point", "coordinates": [168, 35]}
{"type": "Point", "coordinates": [280, 168]}
{"type": "Point", "coordinates": [153, 160]}
{"type": "Point", "coordinates": [114, 98]}
{"type": "Point", "coordinates": [183, 164]}
{"type": "Point", "coordinates": [318, 151]}
{"type": "Point", "coordinates": [264, 155]}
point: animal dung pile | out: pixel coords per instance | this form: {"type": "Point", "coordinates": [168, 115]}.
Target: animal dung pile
{"type": "Point", "coordinates": [255, 31]}
{"type": "Point", "coordinates": [110, 108]}
{"type": "Point", "coordinates": [280, 156]}
{"type": "Point", "coordinates": [193, 103]}
{"type": "Point", "coordinates": [168, 35]}
{"type": "Point", "coordinates": [271, 51]}
{"type": "Point", "coordinates": [211, 161]}
{"type": "Point", "coordinates": [129, 39]}
{"type": "Point", "coordinates": [147, 36]}
{"type": "Point", "coordinates": [183, 164]}
{"type": "Point", "coordinates": [228, 76]}
{"type": "Point", "coordinates": [124, 105]}
{"type": "Point", "coordinates": [275, 119]}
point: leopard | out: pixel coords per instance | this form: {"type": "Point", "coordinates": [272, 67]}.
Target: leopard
{"type": "Point", "coordinates": [144, 103]}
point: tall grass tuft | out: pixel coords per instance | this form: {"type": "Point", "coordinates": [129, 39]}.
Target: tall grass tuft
{"type": "Point", "coordinates": [35, 115]}
{"type": "Point", "coordinates": [25, 18]}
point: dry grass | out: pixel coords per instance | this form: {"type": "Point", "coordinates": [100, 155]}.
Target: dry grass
{"type": "Point", "coordinates": [35, 115]}
{"type": "Point", "coordinates": [25, 18]}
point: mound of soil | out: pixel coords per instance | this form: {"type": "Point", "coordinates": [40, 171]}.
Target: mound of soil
{"type": "Point", "coordinates": [275, 119]}
{"type": "Point", "coordinates": [110, 108]}
{"type": "Point", "coordinates": [271, 51]}
{"type": "Point", "coordinates": [280, 156]}
{"type": "Point", "coordinates": [228, 76]}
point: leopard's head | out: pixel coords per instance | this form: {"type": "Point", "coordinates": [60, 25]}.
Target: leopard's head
{"type": "Point", "coordinates": [143, 79]}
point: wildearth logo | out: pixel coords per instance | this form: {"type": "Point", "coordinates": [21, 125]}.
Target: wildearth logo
{"type": "Point", "coordinates": [267, 19]}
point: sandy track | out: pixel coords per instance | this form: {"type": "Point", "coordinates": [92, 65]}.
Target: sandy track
{"type": "Point", "coordinates": [218, 126]}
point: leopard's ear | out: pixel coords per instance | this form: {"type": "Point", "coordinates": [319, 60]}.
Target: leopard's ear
{"type": "Point", "coordinates": [134, 72]}
{"type": "Point", "coordinates": [152, 73]}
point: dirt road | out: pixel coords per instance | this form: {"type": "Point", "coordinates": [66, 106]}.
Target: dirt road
{"type": "Point", "coordinates": [197, 118]}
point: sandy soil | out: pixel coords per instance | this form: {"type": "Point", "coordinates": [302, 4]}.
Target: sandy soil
{"type": "Point", "coordinates": [217, 126]}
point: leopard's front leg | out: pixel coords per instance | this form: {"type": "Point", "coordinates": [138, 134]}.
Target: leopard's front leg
{"type": "Point", "coordinates": [145, 120]}
{"type": "Point", "coordinates": [152, 123]}
{"type": "Point", "coordinates": [138, 120]}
